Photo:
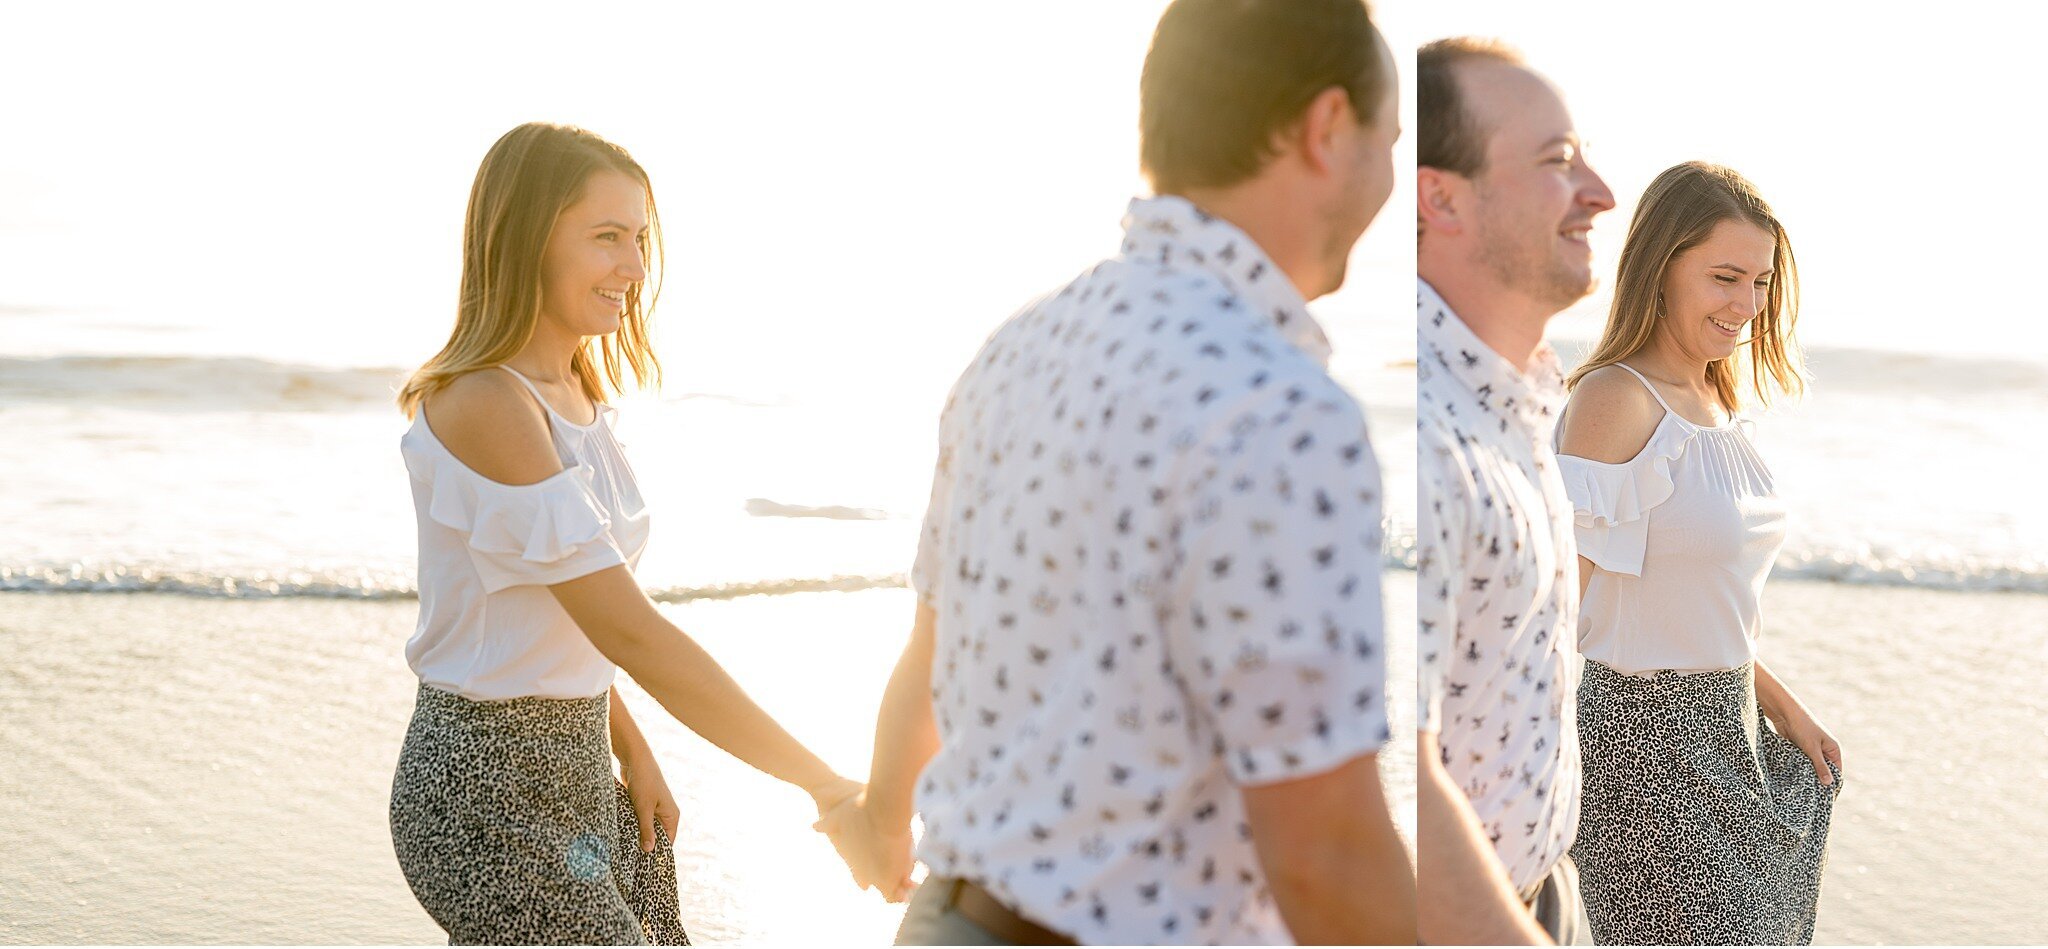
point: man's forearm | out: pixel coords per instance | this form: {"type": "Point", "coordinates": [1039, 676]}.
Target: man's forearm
{"type": "Point", "coordinates": [1360, 894]}
{"type": "Point", "coordinates": [906, 736]}
{"type": "Point", "coordinates": [1338, 870]}
{"type": "Point", "coordinates": [1464, 892]}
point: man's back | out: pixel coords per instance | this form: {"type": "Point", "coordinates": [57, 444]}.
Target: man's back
{"type": "Point", "coordinates": [1153, 553]}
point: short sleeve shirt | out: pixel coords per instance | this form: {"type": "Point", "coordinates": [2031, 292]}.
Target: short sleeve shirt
{"type": "Point", "coordinates": [1496, 588]}
{"type": "Point", "coordinates": [1153, 548]}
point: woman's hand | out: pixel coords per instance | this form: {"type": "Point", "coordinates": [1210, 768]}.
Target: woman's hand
{"type": "Point", "coordinates": [834, 792]}
{"type": "Point", "coordinates": [878, 857]}
{"type": "Point", "coordinates": [1812, 738]}
{"type": "Point", "coordinates": [652, 802]}
{"type": "Point", "coordinates": [1798, 726]}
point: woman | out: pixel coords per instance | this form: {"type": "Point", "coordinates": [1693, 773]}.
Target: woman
{"type": "Point", "coordinates": [507, 821]}
{"type": "Point", "coordinates": [1700, 823]}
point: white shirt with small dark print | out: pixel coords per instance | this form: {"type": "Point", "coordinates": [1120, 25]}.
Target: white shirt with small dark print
{"type": "Point", "coordinates": [1153, 548]}
{"type": "Point", "coordinates": [1496, 588]}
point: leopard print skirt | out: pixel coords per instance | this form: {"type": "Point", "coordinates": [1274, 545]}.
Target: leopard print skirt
{"type": "Point", "coordinates": [511, 829]}
{"type": "Point", "coordinates": [1699, 824]}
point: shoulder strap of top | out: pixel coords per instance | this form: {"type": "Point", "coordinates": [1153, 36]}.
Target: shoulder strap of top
{"type": "Point", "coordinates": [1640, 378]}
{"type": "Point", "coordinates": [530, 387]}
{"type": "Point", "coordinates": [547, 411]}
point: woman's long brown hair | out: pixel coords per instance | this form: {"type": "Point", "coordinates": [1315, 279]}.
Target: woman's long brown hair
{"type": "Point", "coordinates": [1678, 211]}
{"type": "Point", "coordinates": [526, 180]}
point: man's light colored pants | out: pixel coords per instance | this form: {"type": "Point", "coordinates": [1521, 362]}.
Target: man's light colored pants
{"type": "Point", "coordinates": [1557, 903]}
{"type": "Point", "coordinates": [929, 921]}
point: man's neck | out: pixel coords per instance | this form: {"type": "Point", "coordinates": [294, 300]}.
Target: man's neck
{"type": "Point", "coordinates": [1274, 220]}
{"type": "Point", "coordinates": [1509, 323]}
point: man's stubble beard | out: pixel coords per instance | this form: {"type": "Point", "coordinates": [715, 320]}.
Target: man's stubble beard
{"type": "Point", "coordinates": [1517, 256]}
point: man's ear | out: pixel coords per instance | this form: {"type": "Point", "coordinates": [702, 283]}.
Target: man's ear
{"type": "Point", "coordinates": [1441, 200]}
{"type": "Point", "coordinates": [1316, 135]}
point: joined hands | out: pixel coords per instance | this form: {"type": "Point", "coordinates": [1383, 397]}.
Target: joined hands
{"type": "Point", "coordinates": [878, 857]}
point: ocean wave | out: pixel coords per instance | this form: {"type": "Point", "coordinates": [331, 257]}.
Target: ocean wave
{"type": "Point", "coordinates": [1844, 369]}
{"type": "Point", "coordinates": [1960, 574]}
{"type": "Point", "coordinates": [76, 578]}
{"type": "Point", "coordinates": [762, 507]}
{"type": "Point", "coordinates": [185, 383]}
{"type": "Point", "coordinates": [1863, 568]}
{"type": "Point", "coordinates": [189, 383]}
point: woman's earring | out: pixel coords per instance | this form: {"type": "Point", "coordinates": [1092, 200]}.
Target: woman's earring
{"type": "Point", "coordinates": [1660, 306]}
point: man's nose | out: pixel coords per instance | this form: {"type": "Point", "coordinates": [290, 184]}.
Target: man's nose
{"type": "Point", "coordinates": [1593, 190]}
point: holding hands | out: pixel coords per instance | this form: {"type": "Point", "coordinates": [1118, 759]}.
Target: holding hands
{"type": "Point", "coordinates": [879, 856]}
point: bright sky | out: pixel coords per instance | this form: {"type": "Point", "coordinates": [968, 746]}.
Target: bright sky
{"type": "Point", "coordinates": [1897, 145]}
{"type": "Point", "coordinates": [854, 194]}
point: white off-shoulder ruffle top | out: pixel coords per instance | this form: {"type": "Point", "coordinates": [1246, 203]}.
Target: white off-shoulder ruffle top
{"type": "Point", "coordinates": [488, 627]}
{"type": "Point", "coordinates": [1683, 536]}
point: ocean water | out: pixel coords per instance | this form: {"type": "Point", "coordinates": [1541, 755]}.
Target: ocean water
{"type": "Point", "coordinates": [1908, 469]}
{"type": "Point", "coordinates": [206, 525]}
{"type": "Point", "coordinates": [246, 475]}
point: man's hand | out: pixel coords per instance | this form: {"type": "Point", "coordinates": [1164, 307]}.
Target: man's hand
{"type": "Point", "coordinates": [877, 857]}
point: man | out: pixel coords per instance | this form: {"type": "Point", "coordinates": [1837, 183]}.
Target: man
{"type": "Point", "coordinates": [1144, 691]}
{"type": "Point", "coordinates": [1504, 202]}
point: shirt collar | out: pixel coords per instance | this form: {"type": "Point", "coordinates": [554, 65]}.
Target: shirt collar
{"type": "Point", "coordinates": [1173, 232]}
{"type": "Point", "coordinates": [1532, 398]}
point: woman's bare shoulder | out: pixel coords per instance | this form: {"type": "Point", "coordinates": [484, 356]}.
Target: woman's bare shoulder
{"type": "Point", "coordinates": [1610, 417]}
{"type": "Point", "coordinates": [491, 424]}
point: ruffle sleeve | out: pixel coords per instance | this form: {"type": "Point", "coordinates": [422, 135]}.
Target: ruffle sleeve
{"type": "Point", "coordinates": [1611, 504]}
{"type": "Point", "coordinates": [518, 535]}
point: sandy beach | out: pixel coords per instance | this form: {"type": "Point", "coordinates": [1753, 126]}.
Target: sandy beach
{"type": "Point", "coordinates": [1935, 698]}
{"type": "Point", "coordinates": [191, 770]}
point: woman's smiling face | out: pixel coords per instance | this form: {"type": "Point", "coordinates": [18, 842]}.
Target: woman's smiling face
{"type": "Point", "coordinates": [1712, 290]}
{"type": "Point", "coordinates": [593, 256]}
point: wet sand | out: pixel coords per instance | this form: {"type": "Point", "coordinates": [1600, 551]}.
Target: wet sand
{"type": "Point", "coordinates": [189, 770]}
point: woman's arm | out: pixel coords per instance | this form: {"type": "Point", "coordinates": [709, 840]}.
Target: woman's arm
{"type": "Point", "coordinates": [1797, 724]}
{"type": "Point", "coordinates": [645, 786]}
{"type": "Point", "coordinates": [628, 745]}
{"type": "Point", "coordinates": [492, 425]}
{"type": "Point", "coordinates": [1609, 419]}
{"type": "Point", "coordinates": [874, 838]}
{"type": "Point", "coordinates": [625, 626]}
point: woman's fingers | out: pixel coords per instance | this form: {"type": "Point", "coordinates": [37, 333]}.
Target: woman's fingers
{"type": "Point", "coordinates": [645, 812]}
{"type": "Point", "coordinates": [1820, 765]}
{"type": "Point", "coordinates": [839, 831]}
{"type": "Point", "coordinates": [832, 821]}
{"type": "Point", "coordinates": [838, 794]}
